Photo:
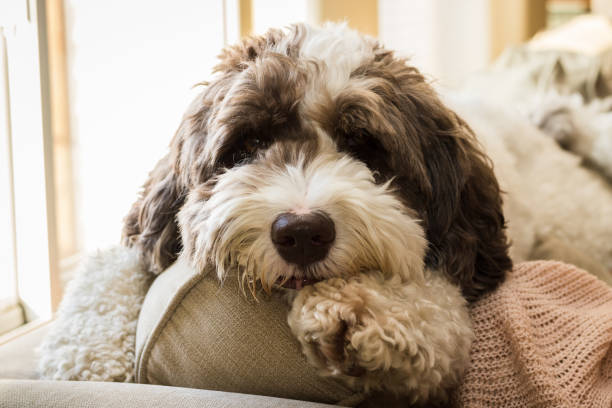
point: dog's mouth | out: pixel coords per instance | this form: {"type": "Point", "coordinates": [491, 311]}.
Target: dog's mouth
{"type": "Point", "coordinates": [296, 283]}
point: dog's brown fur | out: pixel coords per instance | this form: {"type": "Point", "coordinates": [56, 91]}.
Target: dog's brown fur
{"type": "Point", "coordinates": [389, 118]}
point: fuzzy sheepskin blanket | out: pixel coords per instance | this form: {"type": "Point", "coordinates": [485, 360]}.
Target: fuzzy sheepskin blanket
{"type": "Point", "coordinates": [544, 338]}
{"type": "Point", "coordinates": [93, 336]}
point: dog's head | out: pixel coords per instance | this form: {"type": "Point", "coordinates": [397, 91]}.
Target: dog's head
{"type": "Point", "coordinates": [316, 153]}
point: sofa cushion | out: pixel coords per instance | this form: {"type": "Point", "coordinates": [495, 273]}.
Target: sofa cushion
{"type": "Point", "coordinates": [194, 332]}
{"type": "Point", "coordinates": [77, 394]}
{"type": "Point", "coordinates": [18, 356]}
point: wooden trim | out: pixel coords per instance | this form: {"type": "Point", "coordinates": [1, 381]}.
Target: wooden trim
{"type": "Point", "coordinates": [514, 22]}
{"type": "Point", "coordinates": [48, 150]}
{"type": "Point", "coordinates": [361, 15]}
{"type": "Point", "coordinates": [60, 130]}
{"type": "Point", "coordinates": [246, 17]}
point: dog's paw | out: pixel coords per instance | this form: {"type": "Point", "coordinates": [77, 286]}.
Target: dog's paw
{"type": "Point", "coordinates": [379, 334]}
{"type": "Point", "coordinates": [324, 321]}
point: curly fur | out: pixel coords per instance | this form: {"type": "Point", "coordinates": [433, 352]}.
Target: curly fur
{"type": "Point", "coordinates": [412, 338]}
{"type": "Point", "coordinates": [93, 336]}
{"type": "Point", "coordinates": [324, 119]}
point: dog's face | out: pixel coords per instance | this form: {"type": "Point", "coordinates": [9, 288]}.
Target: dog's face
{"type": "Point", "coordinates": [316, 153]}
{"type": "Point", "coordinates": [298, 211]}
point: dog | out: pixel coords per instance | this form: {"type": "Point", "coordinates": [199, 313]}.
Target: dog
{"type": "Point", "coordinates": [319, 163]}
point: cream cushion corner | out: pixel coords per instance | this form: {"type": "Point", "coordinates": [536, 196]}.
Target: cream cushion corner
{"type": "Point", "coordinates": [194, 332]}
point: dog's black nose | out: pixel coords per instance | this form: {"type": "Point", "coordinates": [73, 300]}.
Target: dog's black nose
{"type": "Point", "coordinates": [303, 239]}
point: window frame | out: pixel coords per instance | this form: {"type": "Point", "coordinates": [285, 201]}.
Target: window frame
{"type": "Point", "coordinates": [28, 137]}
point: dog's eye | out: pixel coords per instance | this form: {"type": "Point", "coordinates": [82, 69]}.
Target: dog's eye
{"type": "Point", "coordinates": [360, 145]}
{"type": "Point", "coordinates": [251, 145]}
{"type": "Point", "coordinates": [367, 149]}
{"type": "Point", "coordinates": [243, 152]}
{"type": "Point", "coordinates": [354, 143]}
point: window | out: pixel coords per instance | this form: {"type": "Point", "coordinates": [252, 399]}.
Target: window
{"type": "Point", "coordinates": [90, 95]}
{"type": "Point", "coordinates": [8, 288]}
{"type": "Point", "coordinates": [28, 255]}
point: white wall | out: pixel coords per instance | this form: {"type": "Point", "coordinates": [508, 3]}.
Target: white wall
{"type": "Point", "coordinates": [131, 68]}
{"type": "Point", "coordinates": [279, 13]}
{"type": "Point", "coordinates": [446, 39]}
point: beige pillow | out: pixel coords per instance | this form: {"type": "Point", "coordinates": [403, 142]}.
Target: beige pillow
{"type": "Point", "coordinates": [194, 332]}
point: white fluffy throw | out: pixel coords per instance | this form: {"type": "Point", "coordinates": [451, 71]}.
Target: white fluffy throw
{"type": "Point", "coordinates": [93, 336]}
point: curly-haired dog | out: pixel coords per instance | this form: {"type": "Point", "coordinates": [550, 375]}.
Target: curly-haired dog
{"type": "Point", "coordinates": [317, 160]}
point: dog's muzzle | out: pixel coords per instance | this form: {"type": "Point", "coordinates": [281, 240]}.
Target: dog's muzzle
{"type": "Point", "coordinates": [303, 239]}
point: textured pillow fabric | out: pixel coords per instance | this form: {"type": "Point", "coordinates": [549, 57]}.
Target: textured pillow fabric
{"type": "Point", "coordinates": [195, 333]}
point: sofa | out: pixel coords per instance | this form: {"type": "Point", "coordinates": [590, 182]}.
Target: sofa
{"type": "Point", "coordinates": [20, 388]}
{"type": "Point", "coordinates": [543, 338]}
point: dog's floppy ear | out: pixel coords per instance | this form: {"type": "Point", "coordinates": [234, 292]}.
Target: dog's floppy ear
{"type": "Point", "coordinates": [465, 221]}
{"type": "Point", "coordinates": [456, 191]}
{"type": "Point", "coordinates": [151, 224]}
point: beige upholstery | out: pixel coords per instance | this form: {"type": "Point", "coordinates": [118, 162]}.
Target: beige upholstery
{"type": "Point", "coordinates": [18, 366]}
{"type": "Point", "coordinates": [195, 333]}
{"type": "Point", "coordinates": [77, 394]}
{"type": "Point", "coordinates": [18, 356]}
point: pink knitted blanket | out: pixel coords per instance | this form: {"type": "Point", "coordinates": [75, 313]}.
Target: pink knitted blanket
{"type": "Point", "coordinates": [544, 339]}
